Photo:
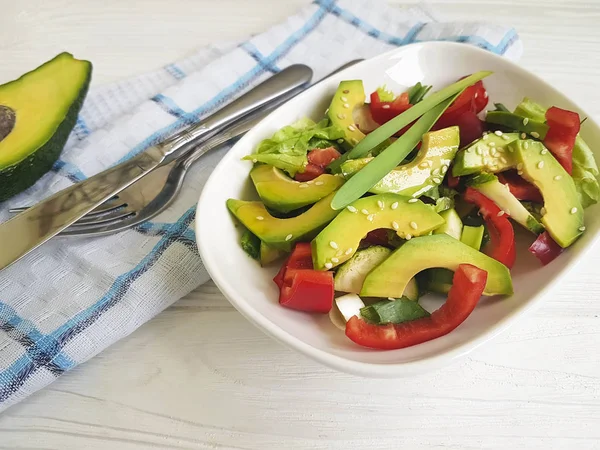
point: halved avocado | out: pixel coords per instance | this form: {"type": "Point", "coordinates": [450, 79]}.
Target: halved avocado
{"type": "Point", "coordinates": [390, 278]}
{"type": "Point", "coordinates": [349, 96]}
{"type": "Point", "coordinates": [37, 113]}
{"type": "Point", "coordinates": [489, 153]}
{"type": "Point", "coordinates": [423, 173]}
{"type": "Point", "coordinates": [563, 217]}
{"type": "Point", "coordinates": [339, 240]}
{"type": "Point", "coordinates": [282, 234]}
{"type": "Point", "coordinates": [282, 193]}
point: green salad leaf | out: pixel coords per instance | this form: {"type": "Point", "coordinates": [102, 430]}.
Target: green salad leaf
{"type": "Point", "coordinates": [385, 95]}
{"type": "Point", "coordinates": [250, 244]}
{"type": "Point", "coordinates": [288, 147]}
{"type": "Point", "coordinates": [417, 92]}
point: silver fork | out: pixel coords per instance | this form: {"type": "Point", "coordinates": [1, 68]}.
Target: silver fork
{"type": "Point", "coordinates": [152, 194]}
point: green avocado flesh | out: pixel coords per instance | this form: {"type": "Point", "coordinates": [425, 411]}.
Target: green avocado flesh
{"type": "Point", "coordinates": [339, 240]}
{"type": "Point", "coordinates": [269, 254]}
{"type": "Point", "coordinates": [425, 172]}
{"type": "Point", "coordinates": [282, 193]}
{"type": "Point", "coordinates": [489, 153]}
{"type": "Point", "coordinates": [37, 113]}
{"type": "Point", "coordinates": [390, 278]}
{"type": "Point", "coordinates": [563, 217]}
{"type": "Point", "coordinates": [350, 95]}
{"type": "Point", "coordinates": [282, 234]}
{"type": "Point", "coordinates": [519, 123]}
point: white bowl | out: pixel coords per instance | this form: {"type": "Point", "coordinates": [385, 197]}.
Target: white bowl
{"type": "Point", "coordinates": [250, 288]}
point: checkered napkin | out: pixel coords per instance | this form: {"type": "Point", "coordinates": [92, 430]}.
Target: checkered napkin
{"type": "Point", "coordinates": [72, 298]}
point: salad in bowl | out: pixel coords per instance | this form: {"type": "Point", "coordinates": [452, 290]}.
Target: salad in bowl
{"type": "Point", "coordinates": [393, 195]}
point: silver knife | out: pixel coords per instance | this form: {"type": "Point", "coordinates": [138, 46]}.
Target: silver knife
{"type": "Point", "coordinates": [49, 217]}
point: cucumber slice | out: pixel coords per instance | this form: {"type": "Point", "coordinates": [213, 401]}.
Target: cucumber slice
{"type": "Point", "coordinates": [453, 226]}
{"type": "Point", "coordinates": [473, 236]}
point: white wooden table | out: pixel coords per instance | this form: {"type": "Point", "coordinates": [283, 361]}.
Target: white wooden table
{"type": "Point", "coordinates": [200, 376]}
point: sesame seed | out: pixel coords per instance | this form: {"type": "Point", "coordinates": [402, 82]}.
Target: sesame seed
{"type": "Point", "coordinates": [500, 213]}
{"type": "Point", "coordinates": [543, 151]}
{"type": "Point", "coordinates": [340, 141]}
{"type": "Point", "coordinates": [557, 177]}
{"type": "Point", "coordinates": [395, 225]}
{"type": "Point", "coordinates": [479, 151]}
{"type": "Point", "coordinates": [535, 134]}
{"type": "Point", "coordinates": [493, 152]}
{"type": "Point", "coordinates": [370, 217]}
{"type": "Point", "coordinates": [581, 228]}
{"type": "Point", "coordinates": [540, 164]}
{"type": "Point", "coordinates": [435, 172]}
{"type": "Point", "coordinates": [423, 165]}
{"type": "Point", "coordinates": [413, 200]}
{"type": "Point", "coordinates": [519, 172]}
{"type": "Point", "coordinates": [364, 211]}
{"type": "Point", "coordinates": [525, 145]}
{"type": "Point", "coordinates": [444, 169]}
{"type": "Point", "coordinates": [351, 128]}
{"type": "Point", "coordinates": [498, 133]}
{"type": "Point", "coordinates": [341, 116]}
{"type": "Point", "coordinates": [335, 260]}
{"type": "Point", "coordinates": [333, 245]}
{"type": "Point", "coordinates": [328, 265]}
{"type": "Point", "coordinates": [348, 251]}
{"type": "Point", "coordinates": [344, 99]}
{"type": "Point", "coordinates": [510, 150]}
{"type": "Point", "coordinates": [436, 180]}
{"type": "Point", "coordinates": [351, 208]}
{"type": "Point", "coordinates": [505, 137]}
{"type": "Point", "coordinates": [385, 106]}
{"type": "Point", "coordinates": [503, 160]}
{"type": "Point", "coordinates": [573, 210]}
{"type": "Point", "coordinates": [485, 136]}
{"type": "Point", "coordinates": [500, 150]}
{"type": "Point", "coordinates": [303, 185]}
{"type": "Point", "coordinates": [318, 183]}
{"type": "Point", "coordinates": [408, 237]}
{"type": "Point", "coordinates": [520, 166]}
{"type": "Point", "coordinates": [394, 205]}
{"type": "Point", "coordinates": [414, 225]}
{"type": "Point", "coordinates": [543, 211]}
{"type": "Point", "coordinates": [391, 299]}
{"type": "Point", "coordinates": [525, 121]}
{"type": "Point", "coordinates": [346, 105]}
{"type": "Point", "coordinates": [260, 218]}
{"type": "Point", "coordinates": [346, 91]}
{"type": "Point", "coordinates": [288, 237]}
{"type": "Point", "coordinates": [492, 144]}
{"type": "Point", "coordinates": [380, 204]}
{"type": "Point", "coordinates": [254, 160]}
{"type": "Point", "coordinates": [523, 135]}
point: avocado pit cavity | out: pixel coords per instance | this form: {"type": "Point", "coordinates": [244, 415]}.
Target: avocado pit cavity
{"type": "Point", "coordinates": [7, 121]}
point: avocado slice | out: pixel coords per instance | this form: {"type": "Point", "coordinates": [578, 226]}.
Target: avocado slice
{"type": "Point", "coordinates": [282, 234]}
{"type": "Point", "coordinates": [269, 254]}
{"type": "Point", "coordinates": [339, 240]}
{"type": "Point", "coordinates": [489, 153]}
{"type": "Point", "coordinates": [37, 113]}
{"type": "Point", "coordinates": [563, 217]}
{"type": "Point", "coordinates": [499, 193]}
{"type": "Point", "coordinates": [515, 122]}
{"type": "Point", "coordinates": [424, 172]}
{"type": "Point", "coordinates": [350, 95]}
{"type": "Point", "coordinates": [282, 193]}
{"type": "Point", "coordinates": [390, 278]}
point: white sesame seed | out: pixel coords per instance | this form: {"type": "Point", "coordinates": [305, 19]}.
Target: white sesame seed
{"type": "Point", "coordinates": [436, 180]}
{"type": "Point", "coordinates": [344, 99]}
{"type": "Point", "coordinates": [254, 160]}
{"type": "Point", "coordinates": [485, 136]}
{"type": "Point", "coordinates": [364, 211]}
{"type": "Point", "coordinates": [385, 106]}
{"type": "Point", "coordinates": [498, 133]}
{"type": "Point", "coordinates": [391, 299]}
{"type": "Point", "coordinates": [333, 245]}
{"type": "Point", "coordinates": [303, 185]}
{"type": "Point", "coordinates": [557, 177]}
{"type": "Point", "coordinates": [510, 150]}
{"type": "Point", "coordinates": [341, 116]}
{"type": "Point", "coordinates": [335, 260]}
{"type": "Point", "coordinates": [525, 145]}
{"type": "Point", "coordinates": [535, 134]}
{"type": "Point", "coordinates": [523, 135]}
{"type": "Point", "coordinates": [395, 205]}
{"type": "Point", "coordinates": [423, 165]}
{"type": "Point", "coordinates": [525, 121]}
{"type": "Point", "coordinates": [520, 166]}
{"type": "Point", "coordinates": [260, 218]}
{"type": "Point", "coordinates": [505, 137]}
{"type": "Point", "coordinates": [395, 225]}
{"type": "Point", "coordinates": [540, 165]}
{"type": "Point", "coordinates": [340, 141]}
{"type": "Point", "coordinates": [543, 211]}
{"type": "Point", "coordinates": [435, 172]}
{"type": "Point", "coordinates": [346, 105]}
{"type": "Point", "coordinates": [493, 152]}
{"type": "Point", "coordinates": [347, 252]}
{"type": "Point", "coordinates": [408, 237]}
{"type": "Point", "coordinates": [414, 225]}
{"type": "Point", "coordinates": [503, 160]}
{"type": "Point", "coordinates": [288, 237]}
{"type": "Point", "coordinates": [519, 172]}
{"type": "Point", "coordinates": [413, 200]}
{"type": "Point", "coordinates": [444, 169]}
{"type": "Point", "coordinates": [370, 217]}
{"type": "Point", "coordinates": [319, 183]}
{"type": "Point", "coordinates": [351, 128]}
{"type": "Point", "coordinates": [574, 210]}
{"type": "Point", "coordinates": [492, 144]}
{"type": "Point", "coordinates": [380, 204]}
{"type": "Point", "coordinates": [479, 151]}
{"type": "Point", "coordinates": [351, 208]}
{"type": "Point", "coordinates": [500, 213]}
{"type": "Point", "coordinates": [328, 265]}
{"type": "Point", "coordinates": [543, 151]}
{"type": "Point", "coordinates": [500, 150]}
{"type": "Point", "coordinates": [581, 228]}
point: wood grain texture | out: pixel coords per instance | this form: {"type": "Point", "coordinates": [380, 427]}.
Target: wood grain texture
{"type": "Point", "coordinates": [200, 376]}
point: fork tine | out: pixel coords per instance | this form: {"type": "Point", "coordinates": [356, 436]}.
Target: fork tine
{"type": "Point", "coordinates": [104, 220]}
{"type": "Point", "coordinates": [85, 228]}
{"type": "Point", "coordinates": [106, 206]}
{"type": "Point", "coordinates": [105, 214]}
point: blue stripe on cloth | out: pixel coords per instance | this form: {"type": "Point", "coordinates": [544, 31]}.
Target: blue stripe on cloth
{"type": "Point", "coordinates": [81, 129]}
{"type": "Point", "coordinates": [71, 171]}
{"type": "Point", "coordinates": [251, 49]}
{"type": "Point", "coordinates": [168, 104]}
{"type": "Point", "coordinates": [13, 377]}
{"type": "Point", "coordinates": [175, 71]}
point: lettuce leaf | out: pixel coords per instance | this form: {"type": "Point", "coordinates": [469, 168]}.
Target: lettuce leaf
{"type": "Point", "coordinates": [288, 147]}
{"type": "Point", "coordinates": [385, 95]}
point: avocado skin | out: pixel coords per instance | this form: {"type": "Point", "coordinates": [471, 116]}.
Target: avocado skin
{"type": "Point", "coordinates": [18, 177]}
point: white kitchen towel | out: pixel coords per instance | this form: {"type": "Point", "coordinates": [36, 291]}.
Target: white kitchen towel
{"type": "Point", "coordinates": [73, 297]}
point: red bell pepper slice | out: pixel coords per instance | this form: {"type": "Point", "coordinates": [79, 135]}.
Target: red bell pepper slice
{"type": "Point", "coordinates": [467, 287]}
{"type": "Point", "coordinates": [545, 248]}
{"type": "Point", "coordinates": [501, 246]}
{"type": "Point", "coordinates": [470, 127]}
{"type": "Point", "coordinates": [563, 129]}
{"type": "Point", "coordinates": [301, 287]}
{"type": "Point", "coordinates": [452, 181]}
{"type": "Point", "coordinates": [311, 171]}
{"type": "Point", "coordinates": [322, 157]}
{"type": "Point", "coordinates": [480, 100]}
{"type": "Point", "coordinates": [383, 112]}
{"type": "Point", "coordinates": [520, 187]}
